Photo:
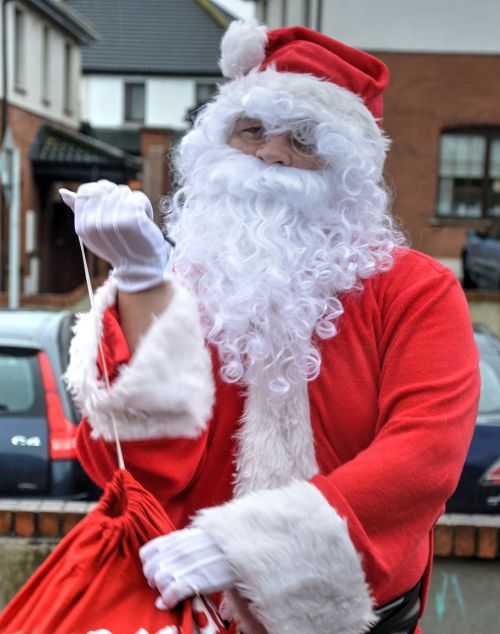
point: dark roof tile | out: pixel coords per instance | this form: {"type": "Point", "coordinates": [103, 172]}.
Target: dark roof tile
{"type": "Point", "coordinates": [171, 37]}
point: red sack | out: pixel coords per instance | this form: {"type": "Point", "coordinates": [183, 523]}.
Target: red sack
{"type": "Point", "coordinates": [93, 579]}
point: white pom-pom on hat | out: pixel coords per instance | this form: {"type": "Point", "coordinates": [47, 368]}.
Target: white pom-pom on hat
{"type": "Point", "coordinates": [243, 47]}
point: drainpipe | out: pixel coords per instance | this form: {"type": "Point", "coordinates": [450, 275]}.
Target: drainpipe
{"type": "Point", "coordinates": [10, 167]}
{"type": "Point", "coordinates": [15, 193]}
{"type": "Point", "coordinates": [4, 68]}
{"type": "Point", "coordinates": [5, 111]}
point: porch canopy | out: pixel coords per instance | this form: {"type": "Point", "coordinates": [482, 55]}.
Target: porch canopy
{"type": "Point", "coordinates": [60, 154]}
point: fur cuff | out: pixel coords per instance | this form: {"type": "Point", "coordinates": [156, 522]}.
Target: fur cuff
{"type": "Point", "coordinates": [167, 388]}
{"type": "Point", "coordinates": [295, 562]}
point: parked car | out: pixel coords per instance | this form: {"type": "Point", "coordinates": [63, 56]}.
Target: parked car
{"type": "Point", "coordinates": [481, 259]}
{"type": "Point", "coordinates": [479, 488]}
{"type": "Point", "coordinates": [38, 420]}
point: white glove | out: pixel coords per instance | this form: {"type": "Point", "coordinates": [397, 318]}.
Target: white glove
{"type": "Point", "coordinates": [117, 225]}
{"type": "Point", "coordinates": [185, 563]}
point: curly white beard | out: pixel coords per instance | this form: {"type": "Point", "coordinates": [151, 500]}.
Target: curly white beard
{"type": "Point", "coordinates": [267, 250]}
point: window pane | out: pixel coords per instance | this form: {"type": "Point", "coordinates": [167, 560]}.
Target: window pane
{"type": "Point", "coordinates": [490, 388]}
{"type": "Point", "coordinates": [462, 155]}
{"type": "Point", "coordinates": [134, 102]}
{"type": "Point", "coordinates": [461, 171]}
{"type": "Point", "coordinates": [460, 197]}
{"type": "Point", "coordinates": [45, 64]}
{"type": "Point", "coordinates": [68, 79]}
{"type": "Point", "coordinates": [494, 199]}
{"type": "Point", "coordinates": [495, 159]}
{"type": "Point", "coordinates": [445, 201]}
{"type": "Point", "coordinates": [204, 92]}
{"type": "Point", "coordinates": [17, 392]}
{"type": "Point", "coordinates": [19, 50]}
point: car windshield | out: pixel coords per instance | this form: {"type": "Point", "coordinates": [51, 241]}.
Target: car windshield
{"type": "Point", "coordinates": [490, 387]}
{"type": "Point", "coordinates": [20, 387]}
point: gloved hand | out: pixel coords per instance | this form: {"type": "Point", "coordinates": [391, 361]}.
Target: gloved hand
{"type": "Point", "coordinates": [185, 563]}
{"type": "Point", "coordinates": [117, 224]}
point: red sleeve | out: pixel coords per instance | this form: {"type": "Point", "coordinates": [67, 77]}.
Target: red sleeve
{"type": "Point", "coordinates": [393, 492]}
{"type": "Point", "coordinates": [165, 467]}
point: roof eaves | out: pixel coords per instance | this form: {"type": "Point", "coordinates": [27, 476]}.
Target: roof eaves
{"type": "Point", "coordinates": [220, 17]}
{"type": "Point", "coordinates": [67, 18]}
{"type": "Point", "coordinates": [146, 72]}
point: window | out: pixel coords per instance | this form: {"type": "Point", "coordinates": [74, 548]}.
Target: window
{"type": "Point", "coordinates": [284, 12]}
{"type": "Point", "coordinates": [469, 173]}
{"type": "Point", "coordinates": [21, 390]}
{"type": "Point", "coordinates": [204, 92]}
{"type": "Point", "coordinates": [19, 51]}
{"type": "Point", "coordinates": [134, 102]}
{"type": "Point", "coordinates": [68, 78]}
{"type": "Point", "coordinates": [45, 78]}
{"type": "Point", "coordinates": [489, 401]}
{"type": "Point", "coordinates": [307, 13]}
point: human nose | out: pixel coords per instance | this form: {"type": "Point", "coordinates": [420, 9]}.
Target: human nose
{"type": "Point", "coordinates": [275, 149]}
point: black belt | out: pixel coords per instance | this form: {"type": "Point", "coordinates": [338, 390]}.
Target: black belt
{"type": "Point", "coordinates": [399, 616]}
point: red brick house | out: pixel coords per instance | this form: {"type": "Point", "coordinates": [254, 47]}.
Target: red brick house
{"type": "Point", "coordinates": [41, 70]}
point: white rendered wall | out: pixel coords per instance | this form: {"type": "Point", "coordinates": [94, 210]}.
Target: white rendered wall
{"type": "Point", "coordinates": [167, 100]}
{"type": "Point", "coordinates": [295, 12]}
{"type": "Point", "coordinates": [449, 26]}
{"type": "Point", "coordinates": [31, 96]}
{"type": "Point", "coordinates": [102, 101]}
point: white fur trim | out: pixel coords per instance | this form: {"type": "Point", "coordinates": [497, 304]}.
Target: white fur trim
{"type": "Point", "coordinates": [275, 441]}
{"type": "Point", "coordinates": [167, 388]}
{"type": "Point", "coordinates": [294, 560]}
{"type": "Point", "coordinates": [243, 48]}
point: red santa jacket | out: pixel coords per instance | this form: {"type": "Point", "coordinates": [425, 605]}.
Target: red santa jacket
{"type": "Point", "coordinates": [326, 505]}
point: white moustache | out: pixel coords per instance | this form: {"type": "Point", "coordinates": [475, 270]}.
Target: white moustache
{"type": "Point", "coordinates": [244, 176]}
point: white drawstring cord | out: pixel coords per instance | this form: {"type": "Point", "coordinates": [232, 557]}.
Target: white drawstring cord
{"type": "Point", "coordinates": [121, 462]}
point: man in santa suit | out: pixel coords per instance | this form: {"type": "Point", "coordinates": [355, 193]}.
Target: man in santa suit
{"type": "Point", "coordinates": [300, 393]}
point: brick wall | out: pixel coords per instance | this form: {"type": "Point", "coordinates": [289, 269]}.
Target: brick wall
{"type": "Point", "coordinates": [156, 146]}
{"type": "Point", "coordinates": [41, 519]}
{"type": "Point", "coordinates": [455, 535]}
{"type": "Point", "coordinates": [24, 126]}
{"type": "Point", "coordinates": [468, 536]}
{"type": "Point", "coordinates": [428, 92]}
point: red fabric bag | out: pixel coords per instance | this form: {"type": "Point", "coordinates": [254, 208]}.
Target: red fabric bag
{"type": "Point", "coordinates": [93, 579]}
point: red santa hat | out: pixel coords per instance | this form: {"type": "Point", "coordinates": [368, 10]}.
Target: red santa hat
{"type": "Point", "coordinates": [246, 46]}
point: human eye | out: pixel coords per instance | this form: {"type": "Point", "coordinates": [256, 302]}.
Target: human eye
{"type": "Point", "coordinates": [250, 129]}
{"type": "Point", "coordinates": [255, 132]}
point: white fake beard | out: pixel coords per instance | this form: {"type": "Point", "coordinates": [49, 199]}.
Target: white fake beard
{"type": "Point", "coordinates": [267, 250]}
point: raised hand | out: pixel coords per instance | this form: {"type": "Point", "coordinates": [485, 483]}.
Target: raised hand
{"type": "Point", "coordinates": [117, 225]}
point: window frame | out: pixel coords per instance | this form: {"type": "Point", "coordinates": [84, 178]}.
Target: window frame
{"type": "Point", "coordinates": [19, 74]}
{"type": "Point", "coordinates": [45, 57]}
{"type": "Point", "coordinates": [128, 102]}
{"type": "Point", "coordinates": [489, 133]}
{"type": "Point", "coordinates": [68, 78]}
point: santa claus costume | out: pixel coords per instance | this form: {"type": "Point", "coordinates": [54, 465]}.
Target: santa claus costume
{"type": "Point", "coordinates": [308, 397]}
